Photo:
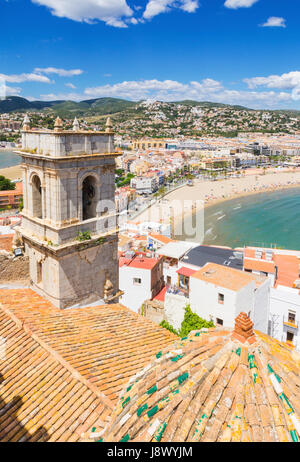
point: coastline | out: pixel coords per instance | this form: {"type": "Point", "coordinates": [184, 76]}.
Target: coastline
{"type": "Point", "coordinates": [251, 193]}
{"type": "Point", "coordinates": [12, 173]}
{"type": "Point", "coordinates": [206, 194]}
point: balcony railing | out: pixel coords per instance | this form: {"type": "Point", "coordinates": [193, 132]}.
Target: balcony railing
{"type": "Point", "coordinates": [290, 323]}
{"type": "Point", "coordinates": [175, 290]}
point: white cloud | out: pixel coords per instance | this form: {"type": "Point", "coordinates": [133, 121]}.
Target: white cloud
{"type": "Point", "coordinates": [155, 7]}
{"type": "Point", "coordinates": [235, 4]}
{"type": "Point", "coordinates": [111, 12]}
{"type": "Point", "coordinates": [205, 90]}
{"type": "Point", "coordinates": [275, 21]}
{"type": "Point", "coordinates": [116, 13]}
{"type": "Point", "coordinates": [20, 78]}
{"type": "Point", "coordinates": [60, 72]}
{"type": "Point", "coordinates": [61, 96]}
{"type": "Point", "coordinates": [8, 91]}
{"type": "Point", "coordinates": [286, 81]}
{"type": "Point", "coordinates": [70, 85]}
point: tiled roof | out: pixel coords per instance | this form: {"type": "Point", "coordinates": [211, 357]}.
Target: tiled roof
{"type": "Point", "coordinates": [40, 398]}
{"type": "Point", "coordinates": [211, 387]}
{"type": "Point", "coordinates": [105, 344]}
{"type": "Point", "coordinates": [140, 262]}
{"type": "Point", "coordinates": [287, 265]}
{"type": "Point", "coordinates": [160, 297]}
{"type": "Point", "coordinates": [288, 269]}
{"type": "Point", "coordinates": [160, 238]}
{"type": "Point", "coordinates": [186, 271]}
{"type": "Point", "coordinates": [6, 242]}
{"type": "Point", "coordinates": [259, 265]}
{"type": "Point", "coordinates": [226, 277]}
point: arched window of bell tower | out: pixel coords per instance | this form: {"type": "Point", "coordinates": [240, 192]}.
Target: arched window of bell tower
{"type": "Point", "coordinates": [89, 198]}
{"type": "Point", "coordinates": [37, 210]}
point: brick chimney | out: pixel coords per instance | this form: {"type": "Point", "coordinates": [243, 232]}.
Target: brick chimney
{"type": "Point", "coordinates": [243, 329]}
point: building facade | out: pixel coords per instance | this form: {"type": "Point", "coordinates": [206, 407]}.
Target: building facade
{"type": "Point", "coordinates": [11, 199]}
{"type": "Point", "coordinates": [141, 278]}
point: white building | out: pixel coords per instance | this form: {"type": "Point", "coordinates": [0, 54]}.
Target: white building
{"type": "Point", "coordinates": [145, 185]}
{"type": "Point", "coordinates": [218, 293]}
{"type": "Point", "coordinates": [282, 268]}
{"type": "Point", "coordinates": [140, 278]}
{"type": "Point", "coordinates": [173, 252]}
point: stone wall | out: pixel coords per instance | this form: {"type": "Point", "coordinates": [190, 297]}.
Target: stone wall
{"type": "Point", "coordinates": [66, 143]}
{"type": "Point", "coordinates": [76, 277]}
{"type": "Point", "coordinates": [153, 310]}
{"type": "Point", "coordinates": [175, 309]}
{"type": "Point", "coordinates": [14, 269]}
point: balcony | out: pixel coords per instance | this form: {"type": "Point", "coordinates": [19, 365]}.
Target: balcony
{"type": "Point", "coordinates": [175, 290]}
{"type": "Point", "coordinates": [290, 322]}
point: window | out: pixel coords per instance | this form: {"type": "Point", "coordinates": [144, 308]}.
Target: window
{"type": "Point", "coordinates": [289, 336]}
{"type": "Point", "coordinates": [292, 317]}
{"type": "Point", "coordinates": [39, 272]}
{"type": "Point", "coordinates": [137, 281]}
{"type": "Point", "coordinates": [221, 299]}
{"type": "Point", "coordinates": [37, 197]}
{"type": "Point", "coordinates": [89, 199]}
{"type": "Point", "coordinates": [219, 322]}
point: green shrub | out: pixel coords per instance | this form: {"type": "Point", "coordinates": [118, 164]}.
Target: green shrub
{"type": "Point", "coordinates": [168, 326]}
{"type": "Point", "coordinates": [85, 236]}
{"type": "Point", "coordinates": [6, 184]}
{"type": "Point", "coordinates": [191, 321]}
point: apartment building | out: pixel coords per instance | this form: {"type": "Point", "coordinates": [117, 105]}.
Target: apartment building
{"type": "Point", "coordinates": [145, 185]}
{"type": "Point", "coordinates": [282, 267]}
{"type": "Point", "coordinates": [141, 145]}
{"type": "Point", "coordinates": [172, 254]}
{"type": "Point", "coordinates": [218, 293]}
{"type": "Point", "coordinates": [11, 199]}
{"type": "Point", "coordinates": [140, 277]}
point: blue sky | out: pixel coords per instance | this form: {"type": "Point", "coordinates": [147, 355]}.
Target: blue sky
{"type": "Point", "coordinates": [233, 51]}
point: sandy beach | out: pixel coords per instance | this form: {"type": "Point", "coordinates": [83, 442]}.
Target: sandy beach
{"type": "Point", "coordinates": [12, 173]}
{"type": "Point", "coordinates": [213, 192]}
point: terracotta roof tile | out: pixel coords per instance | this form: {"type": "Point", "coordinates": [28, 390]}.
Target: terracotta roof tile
{"type": "Point", "coordinates": [57, 363]}
{"type": "Point", "coordinates": [106, 344]}
{"type": "Point", "coordinates": [40, 400]}
{"type": "Point", "coordinates": [226, 277]}
{"type": "Point", "coordinates": [210, 387]}
{"type": "Point", "coordinates": [259, 265]}
{"type": "Point", "coordinates": [161, 238]}
{"type": "Point", "coordinates": [6, 242]}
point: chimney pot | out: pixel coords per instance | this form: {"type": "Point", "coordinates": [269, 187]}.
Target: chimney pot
{"type": "Point", "coordinates": [243, 329]}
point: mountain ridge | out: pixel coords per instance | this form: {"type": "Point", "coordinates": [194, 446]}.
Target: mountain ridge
{"type": "Point", "coordinates": [108, 105]}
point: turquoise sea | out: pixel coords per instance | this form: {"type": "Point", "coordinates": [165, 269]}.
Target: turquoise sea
{"type": "Point", "coordinates": [267, 219]}
{"type": "Point", "coordinates": [9, 159]}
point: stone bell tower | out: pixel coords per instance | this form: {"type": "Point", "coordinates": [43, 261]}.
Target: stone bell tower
{"type": "Point", "coordinates": [69, 224]}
